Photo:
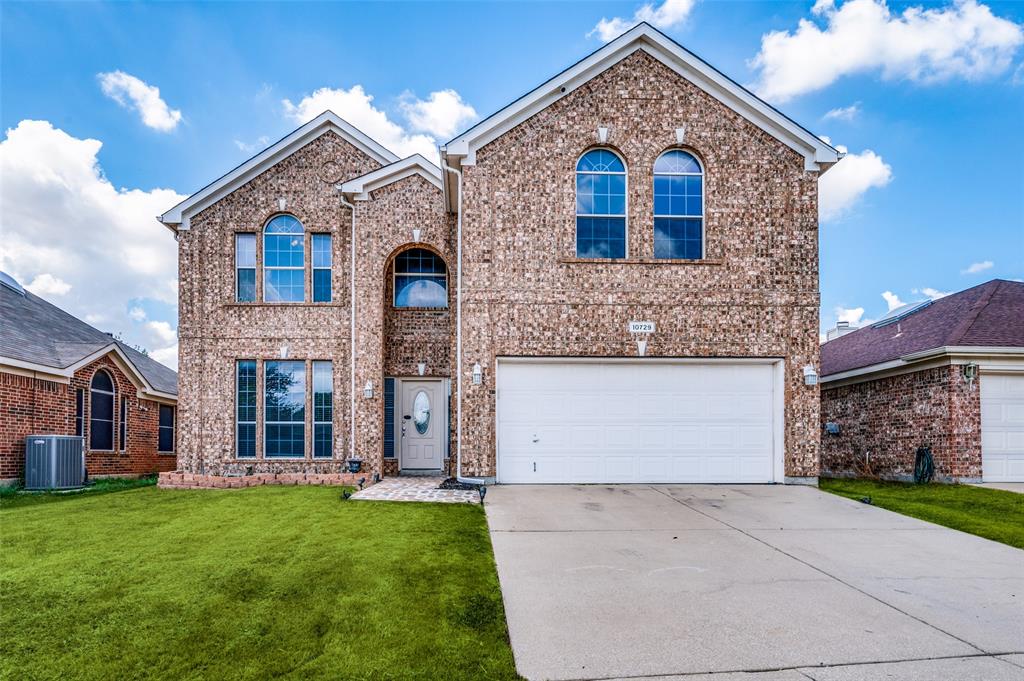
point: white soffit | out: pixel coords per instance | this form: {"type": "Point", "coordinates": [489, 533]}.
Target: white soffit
{"type": "Point", "coordinates": [817, 154]}
{"type": "Point", "coordinates": [178, 217]}
{"type": "Point", "coordinates": [360, 187]}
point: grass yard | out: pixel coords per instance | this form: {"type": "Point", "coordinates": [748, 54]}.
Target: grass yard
{"type": "Point", "coordinates": [248, 584]}
{"type": "Point", "coordinates": [991, 513]}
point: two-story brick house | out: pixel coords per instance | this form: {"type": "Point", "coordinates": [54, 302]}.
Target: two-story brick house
{"type": "Point", "coordinates": [613, 279]}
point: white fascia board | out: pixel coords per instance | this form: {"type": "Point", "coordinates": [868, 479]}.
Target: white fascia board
{"type": "Point", "coordinates": [177, 218]}
{"type": "Point", "coordinates": [64, 374]}
{"type": "Point", "coordinates": [915, 361]}
{"type": "Point", "coordinates": [965, 350]}
{"type": "Point", "coordinates": [818, 155]}
{"type": "Point", "coordinates": [47, 372]}
{"type": "Point", "coordinates": [360, 187]}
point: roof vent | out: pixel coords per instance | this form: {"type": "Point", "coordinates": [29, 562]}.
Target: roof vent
{"type": "Point", "coordinates": [10, 282]}
{"type": "Point", "coordinates": [901, 313]}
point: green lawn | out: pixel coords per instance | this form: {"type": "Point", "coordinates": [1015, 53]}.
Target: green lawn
{"type": "Point", "coordinates": [248, 584]}
{"type": "Point", "coordinates": [990, 513]}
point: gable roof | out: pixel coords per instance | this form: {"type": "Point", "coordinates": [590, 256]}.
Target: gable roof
{"type": "Point", "coordinates": [360, 187]}
{"type": "Point", "coordinates": [178, 217]}
{"type": "Point", "coordinates": [39, 336]}
{"type": "Point", "coordinates": [990, 315]}
{"type": "Point", "coordinates": [818, 155]}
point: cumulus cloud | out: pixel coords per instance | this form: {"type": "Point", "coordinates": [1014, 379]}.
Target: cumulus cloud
{"type": "Point", "coordinates": [841, 187]}
{"type": "Point", "coordinates": [892, 300]}
{"type": "Point", "coordinates": [669, 14]}
{"type": "Point", "coordinates": [931, 293]}
{"type": "Point", "coordinates": [65, 225]}
{"type": "Point", "coordinates": [133, 93]}
{"type": "Point", "coordinates": [853, 315]}
{"type": "Point", "coordinates": [976, 267]}
{"type": "Point", "coordinates": [846, 113]}
{"type": "Point", "coordinates": [442, 115]}
{"type": "Point", "coordinates": [252, 147]}
{"type": "Point", "coordinates": [962, 40]}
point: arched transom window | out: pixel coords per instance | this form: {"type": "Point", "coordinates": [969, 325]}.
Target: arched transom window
{"type": "Point", "coordinates": [283, 260]}
{"type": "Point", "coordinates": [421, 279]}
{"type": "Point", "coordinates": [600, 205]}
{"type": "Point", "coordinates": [678, 206]}
{"type": "Point", "coordinates": [101, 411]}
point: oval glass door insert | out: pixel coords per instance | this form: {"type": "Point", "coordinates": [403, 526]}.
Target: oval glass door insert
{"type": "Point", "coordinates": [421, 412]}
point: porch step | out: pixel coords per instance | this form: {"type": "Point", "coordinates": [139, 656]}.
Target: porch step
{"type": "Point", "coordinates": [421, 473]}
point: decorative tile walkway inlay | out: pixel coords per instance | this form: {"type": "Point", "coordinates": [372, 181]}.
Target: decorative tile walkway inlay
{"type": "Point", "coordinates": [416, 489]}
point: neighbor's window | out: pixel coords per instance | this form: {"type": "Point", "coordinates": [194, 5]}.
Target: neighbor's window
{"type": "Point", "coordinates": [284, 409]}
{"type": "Point", "coordinates": [678, 206]}
{"type": "Point", "coordinates": [600, 205]}
{"type": "Point", "coordinates": [245, 399]}
{"type": "Point", "coordinates": [101, 412]}
{"type": "Point", "coordinates": [421, 279]}
{"type": "Point", "coordinates": [79, 412]}
{"type": "Point", "coordinates": [283, 261]}
{"type": "Point", "coordinates": [323, 409]}
{"type": "Point", "coordinates": [321, 247]}
{"type": "Point", "coordinates": [245, 268]}
{"type": "Point", "coordinates": [122, 425]}
{"type": "Point", "coordinates": [165, 441]}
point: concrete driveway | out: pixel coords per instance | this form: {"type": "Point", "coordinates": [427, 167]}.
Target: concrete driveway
{"type": "Point", "coordinates": [650, 581]}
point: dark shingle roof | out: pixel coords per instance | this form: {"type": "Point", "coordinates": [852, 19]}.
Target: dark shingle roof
{"type": "Point", "coordinates": [988, 315]}
{"type": "Point", "coordinates": [33, 330]}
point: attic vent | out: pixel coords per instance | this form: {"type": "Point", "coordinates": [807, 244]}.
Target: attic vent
{"type": "Point", "coordinates": [10, 282]}
{"type": "Point", "coordinates": [901, 313]}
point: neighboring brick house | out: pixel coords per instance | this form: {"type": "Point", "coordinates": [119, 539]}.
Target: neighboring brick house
{"type": "Point", "coordinates": [946, 374]}
{"type": "Point", "coordinates": [60, 376]}
{"type": "Point", "coordinates": [490, 305]}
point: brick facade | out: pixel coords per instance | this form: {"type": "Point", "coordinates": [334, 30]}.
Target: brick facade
{"type": "Point", "coordinates": [34, 406]}
{"type": "Point", "coordinates": [524, 293]}
{"type": "Point", "coordinates": [883, 422]}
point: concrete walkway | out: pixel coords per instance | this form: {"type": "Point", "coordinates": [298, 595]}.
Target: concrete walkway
{"type": "Point", "coordinates": [763, 582]}
{"type": "Point", "coordinates": [416, 488]}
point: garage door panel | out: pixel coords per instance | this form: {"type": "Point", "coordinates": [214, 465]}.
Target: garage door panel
{"type": "Point", "coordinates": [1002, 427]}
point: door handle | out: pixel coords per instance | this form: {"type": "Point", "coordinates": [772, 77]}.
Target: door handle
{"type": "Point", "coordinates": [536, 439]}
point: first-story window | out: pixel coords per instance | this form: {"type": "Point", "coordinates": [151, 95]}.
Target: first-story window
{"type": "Point", "coordinates": [79, 412]}
{"type": "Point", "coordinates": [323, 409]}
{"type": "Point", "coordinates": [284, 409]}
{"type": "Point", "coordinates": [321, 268]}
{"type": "Point", "coordinates": [122, 425]}
{"type": "Point", "coordinates": [245, 268]}
{"type": "Point", "coordinates": [101, 412]}
{"type": "Point", "coordinates": [165, 441]}
{"type": "Point", "coordinates": [245, 414]}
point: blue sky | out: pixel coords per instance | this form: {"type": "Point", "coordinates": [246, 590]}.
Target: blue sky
{"type": "Point", "coordinates": [928, 101]}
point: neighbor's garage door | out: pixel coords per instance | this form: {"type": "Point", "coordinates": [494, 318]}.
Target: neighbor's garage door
{"type": "Point", "coordinates": [1002, 428]}
{"type": "Point", "coordinates": [642, 421]}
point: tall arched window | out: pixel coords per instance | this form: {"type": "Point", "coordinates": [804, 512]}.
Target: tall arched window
{"type": "Point", "coordinates": [421, 279]}
{"type": "Point", "coordinates": [600, 205]}
{"type": "Point", "coordinates": [101, 411]}
{"type": "Point", "coordinates": [678, 206]}
{"type": "Point", "coordinates": [283, 260]}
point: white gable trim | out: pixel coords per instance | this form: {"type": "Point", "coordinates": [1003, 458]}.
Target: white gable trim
{"type": "Point", "coordinates": [360, 187]}
{"type": "Point", "coordinates": [177, 218]}
{"type": "Point", "coordinates": [817, 154]}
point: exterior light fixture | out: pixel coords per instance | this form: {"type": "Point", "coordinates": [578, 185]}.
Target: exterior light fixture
{"type": "Point", "coordinates": [970, 372]}
{"type": "Point", "coordinates": [368, 389]}
{"type": "Point", "coordinates": [602, 134]}
{"type": "Point", "coordinates": [416, 231]}
{"type": "Point", "coordinates": [282, 203]}
{"type": "Point", "coordinates": [681, 134]}
{"type": "Point", "coordinates": [478, 374]}
{"type": "Point", "coordinates": [421, 368]}
{"type": "Point", "coordinates": [284, 351]}
{"type": "Point", "coordinates": [810, 375]}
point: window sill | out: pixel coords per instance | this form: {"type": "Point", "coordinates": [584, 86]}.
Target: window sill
{"type": "Point", "coordinates": [166, 453]}
{"type": "Point", "coordinates": [235, 303]}
{"type": "Point", "coordinates": [637, 261]}
{"type": "Point", "coordinates": [419, 309]}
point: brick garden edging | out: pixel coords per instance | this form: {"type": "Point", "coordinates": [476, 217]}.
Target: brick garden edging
{"type": "Point", "coordinates": [180, 480]}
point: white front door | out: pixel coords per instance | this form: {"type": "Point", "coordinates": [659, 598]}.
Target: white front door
{"type": "Point", "coordinates": [422, 424]}
{"type": "Point", "coordinates": [1002, 428]}
{"type": "Point", "coordinates": [580, 421]}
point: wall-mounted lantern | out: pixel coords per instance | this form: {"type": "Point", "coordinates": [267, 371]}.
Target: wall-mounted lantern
{"type": "Point", "coordinates": [368, 390]}
{"type": "Point", "coordinates": [810, 375]}
{"type": "Point", "coordinates": [478, 374]}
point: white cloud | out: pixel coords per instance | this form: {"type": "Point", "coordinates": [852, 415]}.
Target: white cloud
{"type": "Point", "coordinates": [850, 314]}
{"type": "Point", "coordinates": [61, 217]}
{"type": "Point", "coordinates": [133, 93]}
{"type": "Point", "coordinates": [892, 300]}
{"type": "Point", "coordinates": [669, 14]}
{"type": "Point", "coordinates": [137, 314]}
{"type": "Point", "coordinates": [843, 185]}
{"type": "Point", "coordinates": [442, 115]}
{"type": "Point", "coordinates": [167, 356]}
{"type": "Point", "coordinates": [932, 293]}
{"type": "Point", "coordinates": [163, 332]}
{"type": "Point", "coordinates": [962, 40]}
{"type": "Point", "coordinates": [356, 107]}
{"type": "Point", "coordinates": [846, 113]}
{"type": "Point", "coordinates": [250, 148]}
{"type": "Point", "coordinates": [48, 285]}
{"type": "Point", "coordinates": [976, 267]}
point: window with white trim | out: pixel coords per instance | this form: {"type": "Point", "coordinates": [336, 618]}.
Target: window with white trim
{"type": "Point", "coordinates": [245, 268]}
{"type": "Point", "coordinates": [321, 247]}
{"type": "Point", "coordinates": [284, 258]}
{"type": "Point", "coordinates": [323, 409]}
{"type": "Point", "coordinates": [600, 205]}
{"type": "Point", "coordinates": [284, 409]}
{"type": "Point", "coordinates": [245, 409]}
{"type": "Point", "coordinates": [678, 206]}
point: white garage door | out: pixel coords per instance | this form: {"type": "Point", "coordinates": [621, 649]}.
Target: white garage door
{"type": "Point", "coordinates": [635, 421]}
{"type": "Point", "coordinates": [1002, 428]}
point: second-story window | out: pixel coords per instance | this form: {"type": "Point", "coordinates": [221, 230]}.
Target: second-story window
{"type": "Point", "coordinates": [678, 206]}
{"type": "Point", "coordinates": [245, 268]}
{"type": "Point", "coordinates": [283, 261]}
{"type": "Point", "coordinates": [321, 246]}
{"type": "Point", "coordinates": [600, 205]}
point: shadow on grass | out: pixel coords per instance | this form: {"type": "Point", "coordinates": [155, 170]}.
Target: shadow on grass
{"type": "Point", "coordinates": [12, 496]}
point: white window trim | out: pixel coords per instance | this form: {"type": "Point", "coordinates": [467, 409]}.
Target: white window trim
{"type": "Point", "coordinates": [255, 266]}
{"type": "Point", "coordinates": [266, 268]}
{"type": "Point", "coordinates": [703, 198]}
{"type": "Point", "coordinates": [395, 275]}
{"type": "Point", "coordinates": [312, 405]}
{"type": "Point", "coordinates": [625, 215]}
{"type": "Point", "coordinates": [238, 422]}
{"type": "Point", "coordinates": [314, 267]}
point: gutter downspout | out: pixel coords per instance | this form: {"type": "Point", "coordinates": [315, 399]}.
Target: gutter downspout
{"type": "Point", "coordinates": [352, 332]}
{"type": "Point", "coordinates": [458, 329]}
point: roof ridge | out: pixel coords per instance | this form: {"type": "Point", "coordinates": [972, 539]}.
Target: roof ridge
{"type": "Point", "coordinates": [961, 329]}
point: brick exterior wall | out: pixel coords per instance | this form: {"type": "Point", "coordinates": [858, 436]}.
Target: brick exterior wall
{"type": "Point", "coordinates": [754, 295]}
{"type": "Point", "coordinates": [33, 406]}
{"type": "Point", "coordinates": [891, 417]}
